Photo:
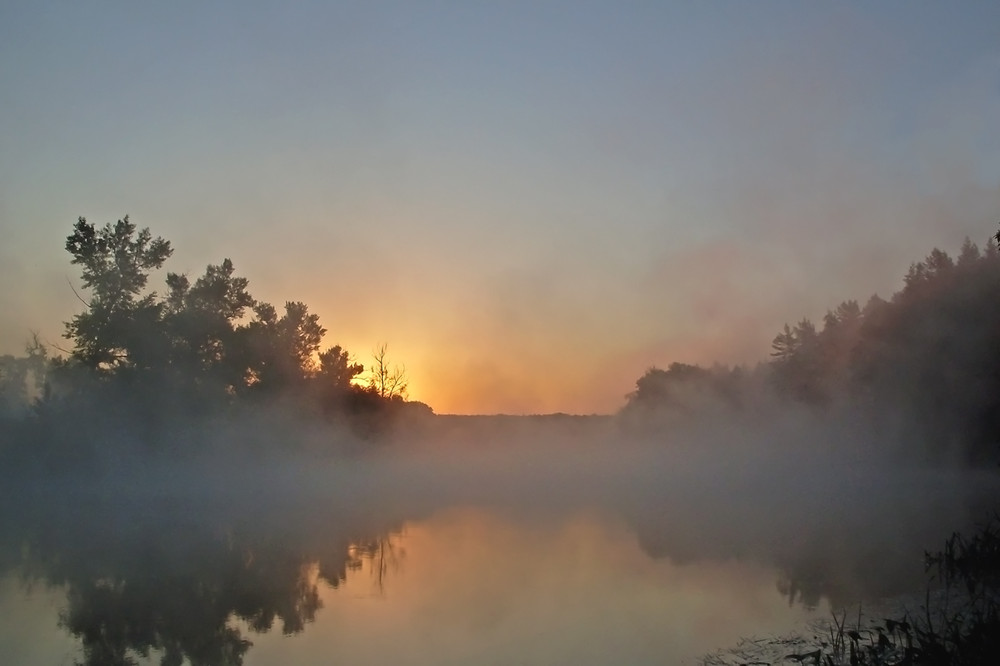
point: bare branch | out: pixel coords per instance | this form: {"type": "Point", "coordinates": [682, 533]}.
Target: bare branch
{"type": "Point", "coordinates": [76, 293]}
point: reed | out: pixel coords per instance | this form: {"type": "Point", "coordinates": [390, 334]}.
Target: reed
{"type": "Point", "coordinates": [957, 625]}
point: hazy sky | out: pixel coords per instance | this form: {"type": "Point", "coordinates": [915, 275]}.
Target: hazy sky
{"type": "Point", "coordinates": [531, 203]}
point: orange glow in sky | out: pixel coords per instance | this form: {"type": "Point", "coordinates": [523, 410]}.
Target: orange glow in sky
{"type": "Point", "coordinates": [531, 205]}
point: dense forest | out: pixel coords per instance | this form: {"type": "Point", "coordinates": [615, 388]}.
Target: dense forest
{"type": "Point", "coordinates": [921, 369]}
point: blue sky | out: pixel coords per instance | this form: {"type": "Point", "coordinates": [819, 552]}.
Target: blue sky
{"type": "Point", "coordinates": [531, 203]}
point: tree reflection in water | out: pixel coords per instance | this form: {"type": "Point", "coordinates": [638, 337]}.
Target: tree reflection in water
{"type": "Point", "coordinates": [149, 580]}
{"type": "Point", "coordinates": [383, 555]}
{"type": "Point", "coordinates": [189, 576]}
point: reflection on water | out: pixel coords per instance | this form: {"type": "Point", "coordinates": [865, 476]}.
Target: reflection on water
{"type": "Point", "coordinates": [28, 632]}
{"type": "Point", "coordinates": [390, 563]}
{"type": "Point", "coordinates": [469, 586]}
{"type": "Point", "coordinates": [462, 586]}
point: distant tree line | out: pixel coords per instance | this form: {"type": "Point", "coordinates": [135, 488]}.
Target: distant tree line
{"type": "Point", "coordinates": [922, 366]}
{"type": "Point", "coordinates": [202, 348]}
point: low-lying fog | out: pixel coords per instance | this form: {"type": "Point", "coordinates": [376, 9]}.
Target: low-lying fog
{"type": "Point", "coordinates": [185, 548]}
{"type": "Point", "coordinates": [787, 499]}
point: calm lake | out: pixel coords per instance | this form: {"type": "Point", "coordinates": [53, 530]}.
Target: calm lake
{"type": "Point", "coordinates": [464, 586]}
{"type": "Point", "coordinates": [487, 559]}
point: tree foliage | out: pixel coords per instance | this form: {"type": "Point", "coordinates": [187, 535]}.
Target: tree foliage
{"type": "Point", "coordinates": [202, 346]}
{"type": "Point", "coordinates": [194, 333]}
{"type": "Point", "coordinates": [337, 371]}
{"type": "Point", "coordinates": [923, 366]}
{"type": "Point", "coordinates": [120, 326]}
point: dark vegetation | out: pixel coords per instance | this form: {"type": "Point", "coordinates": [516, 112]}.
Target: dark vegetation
{"type": "Point", "coordinates": [195, 584]}
{"type": "Point", "coordinates": [958, 623]}
{"type": "Point", "coordinates": [205, 373]}
{"type": "Point", "coordinates": [919, 372]}
{"type": "Point", "coordinates": [150, 374]}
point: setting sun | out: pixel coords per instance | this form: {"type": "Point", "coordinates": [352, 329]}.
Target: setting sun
{"type": "Point", "coordinates": [461, 333]}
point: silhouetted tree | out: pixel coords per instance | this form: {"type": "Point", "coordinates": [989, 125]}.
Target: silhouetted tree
{"type": "Point", "coordinates": [798, 361]}
{"type": "Point", "coordinates": [335, 377]}
{"type": "Point", "coordinates": [202, 320]}
{"type": "Point", "coordinates": [683, 393]}
{"type": "Point", "coordinates": [923, 366]}
{"type": "Point", "coordinates": [785, 345]}
{"type": "Point", "coordinates": [386, 380]}
{"type": "Point", "coordinates": [120, 327]}
{"type": "Point", "coordinates": [281, 351]}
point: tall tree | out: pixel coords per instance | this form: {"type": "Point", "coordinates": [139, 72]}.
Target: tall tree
{"type": "Point", "coordinates": [281, 351]}
{"type": "Point", "coordinates": [784, 345]}
{"type": "Point", "coordinates": [121, 326]}
{"type": "Point", "coordinates": [202, 320]}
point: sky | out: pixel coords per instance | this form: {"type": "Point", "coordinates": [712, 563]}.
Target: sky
{"type": "Point", "coordinates": [529, 203]}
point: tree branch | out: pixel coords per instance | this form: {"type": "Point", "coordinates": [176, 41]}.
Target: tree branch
{"type": "Point", "coordinates": [77, 294]}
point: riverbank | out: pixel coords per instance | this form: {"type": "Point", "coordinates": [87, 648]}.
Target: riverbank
{"type": "Point", "coordinates": [955, 620]}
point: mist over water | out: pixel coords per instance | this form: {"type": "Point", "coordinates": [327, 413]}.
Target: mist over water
{"type": "Point", "coordinates": [201, 470]}
{"type": "Point", "coordinates": [541, 206]}
{"type": "Point", "coordinates": [228, 547]}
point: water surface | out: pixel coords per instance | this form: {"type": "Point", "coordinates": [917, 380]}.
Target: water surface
{"type": "Point", "coordinates": [520, 557]}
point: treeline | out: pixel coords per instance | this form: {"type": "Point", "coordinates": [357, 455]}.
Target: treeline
{"type": "Point", "coordinates": [144, 364]}
{"type": "Point", "coordinates": [923, 366]}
